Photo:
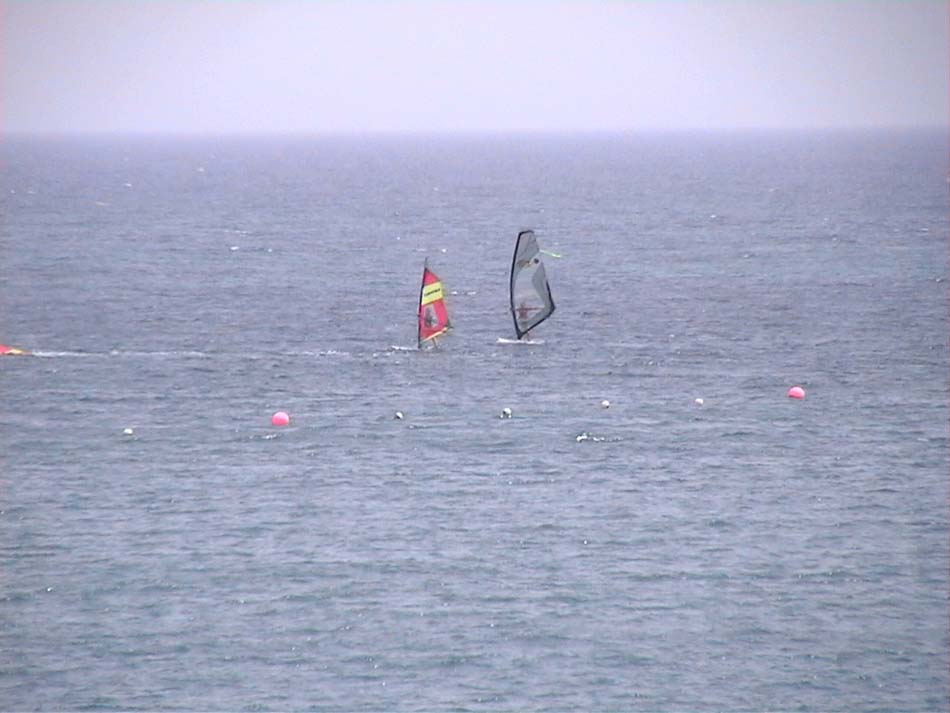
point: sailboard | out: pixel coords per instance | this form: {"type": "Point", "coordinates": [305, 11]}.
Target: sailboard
{"type": "Point", "coordinates": [12, 351]}
{"type": "Point", "coordinates": [433, 313]}
{"type": "Point", "coordinates": [529, 292]}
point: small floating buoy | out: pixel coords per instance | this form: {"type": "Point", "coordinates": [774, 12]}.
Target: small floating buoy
{"type": "Point", "coordinates": [280, 418]}
{"type": "Point", "coordinates": [128, 432]}
{"type": "Point", "coordinates": [796, 392]}
{"type": "Point", "coordinates": [398, 415]}
{"type": "Point", "coordinates": [698, 402]}
{"type": "Point", "coordinates": [505, 413]}
{"type": "Point", "coordinates": [605, 404]}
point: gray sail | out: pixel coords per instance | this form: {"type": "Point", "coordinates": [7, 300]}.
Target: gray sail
{"type": "Point", "coordinates": [531, 301]}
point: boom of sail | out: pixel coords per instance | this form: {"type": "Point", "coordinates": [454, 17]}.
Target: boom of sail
{"type": "Point", "coordinates": [529, 291]}
{"type": "Point", "coordinates": [433, 314]}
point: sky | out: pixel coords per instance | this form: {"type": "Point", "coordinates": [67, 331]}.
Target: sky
{"type": "Point", "coordinates": [309, 66]}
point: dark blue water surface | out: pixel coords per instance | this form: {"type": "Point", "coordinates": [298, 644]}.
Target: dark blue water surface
{"type": "Point", "coordinates": [750, 553]}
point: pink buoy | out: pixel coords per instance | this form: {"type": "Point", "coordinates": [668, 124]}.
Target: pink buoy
{"type": "Point", "coordinates": [280, 418]}
{"type": "Point", "coordinates": [796, 392]}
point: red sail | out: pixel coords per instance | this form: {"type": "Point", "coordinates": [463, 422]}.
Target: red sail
{"type": "Point", "coordinates": [11, 351]}
{"type": "Point", "coordinates": [433, 315]}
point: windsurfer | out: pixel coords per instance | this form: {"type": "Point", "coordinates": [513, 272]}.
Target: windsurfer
{"type": "Point", "coordinates": [524, 313]}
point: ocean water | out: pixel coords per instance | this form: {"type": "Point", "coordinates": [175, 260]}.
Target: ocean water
{"type": "Point", "coordinates": [750, 553]}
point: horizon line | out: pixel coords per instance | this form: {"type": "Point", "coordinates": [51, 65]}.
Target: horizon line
{"type": "Point", "coordinates": [469, 132]}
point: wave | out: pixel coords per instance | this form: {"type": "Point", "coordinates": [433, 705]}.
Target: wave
{"type": "Point", "coordinates": [49, 355]}
{"type": "Point", "coordinates": [185, 354]}
{"type": "Point", "coordinates": [526, 342]}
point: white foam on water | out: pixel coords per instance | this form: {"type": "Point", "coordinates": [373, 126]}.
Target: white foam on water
{"type": "Point", "coordinates": [525, 342]}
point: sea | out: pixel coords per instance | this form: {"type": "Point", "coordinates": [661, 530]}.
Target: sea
{"type": "Point", "coordinates": [700, 542]}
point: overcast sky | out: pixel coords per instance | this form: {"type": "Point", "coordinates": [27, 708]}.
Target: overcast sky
{"type": "Point", "coordinates": [279, 65]}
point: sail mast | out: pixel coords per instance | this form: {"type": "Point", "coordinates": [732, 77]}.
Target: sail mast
{"type": "Point", "coordinates": [511, 285]}
{"type": "Point", "coordinates": [422, 287]}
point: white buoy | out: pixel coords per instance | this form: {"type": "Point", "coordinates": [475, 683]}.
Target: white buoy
{"type": "Point", "coordinates": [398, 415]}
{"type": "Point", "coordinates": [698, 402]}
{"type": "Point", "coordinates": [128, 432]}
{"type": "Point", "coordinates": [605, 404]}
{"type": "Point", "coordinates": [505, 413]}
